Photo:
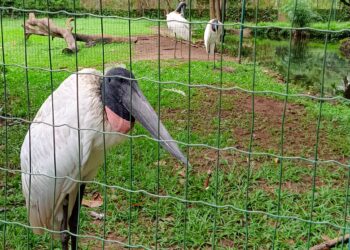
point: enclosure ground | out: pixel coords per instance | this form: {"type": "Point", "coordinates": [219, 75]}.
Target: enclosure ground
{"type": "Point", "coordinates": [147, 49]}
{"type": "Point", "coordinates": [189, 108]}
{"type": "Point", "coordinates": [296, 183]}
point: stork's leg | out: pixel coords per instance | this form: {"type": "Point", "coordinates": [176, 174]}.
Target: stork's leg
{"type": "Point", "coordinates": [175, 46]}
{"type": "Point", "coordinates": [73, 220]}
{"type": "Point", "coordinates": [208, 58]}
{"type": "Point", "coordinates": [214, 58]}
{"type": "Point", "coordinates": [64, 225]}
{"type": "Point", "coordinates": [181, 47]}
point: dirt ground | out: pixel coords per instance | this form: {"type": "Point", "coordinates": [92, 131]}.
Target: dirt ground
{"type": "Point", "coordinates": [147, 49]}
{"type": "Point", "coordinates": [299, 137]}
{"type": "Point", "coordinates": [299, 128]}
{"type": "Point", "coordinates": [299, 140]}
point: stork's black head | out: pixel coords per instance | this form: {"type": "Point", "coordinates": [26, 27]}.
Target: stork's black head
{"type": "Point", "coordinates": [215, 25]}
{"type": "Point", "coordinates": [124, 102]}
{"type": "Point", "coordinates": [181, 8]}
{"type": "Point", "coordinates": [116, 82]}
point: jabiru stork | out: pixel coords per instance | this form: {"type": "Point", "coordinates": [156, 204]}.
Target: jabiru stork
{"type": "Point", "coordinates": [212, 36]}
{"type": "Point", "coordinates": [178, 24]}
{"type": "Point", "coordinates": [51, 162]}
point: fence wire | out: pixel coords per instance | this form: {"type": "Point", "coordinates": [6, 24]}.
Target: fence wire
{"type": "Point", "coordinates": [231, 193]}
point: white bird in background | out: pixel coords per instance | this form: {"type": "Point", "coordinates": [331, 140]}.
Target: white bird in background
{"type": "Point", "coordinates": [47, 160]}
{"type": "Point", "coordinates": [212, 36]}
{"type": "Point", "coordinates": [178, 25]}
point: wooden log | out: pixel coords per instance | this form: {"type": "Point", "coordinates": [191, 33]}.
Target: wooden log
{"type": "Point", "coordinates": [46, 27]}
{"type": "Point", "coordinates": [94, 39]}
{"type": "Point", "coordinates": [331, 243]}
{"type": "Point", "coordinates": [91, 40]}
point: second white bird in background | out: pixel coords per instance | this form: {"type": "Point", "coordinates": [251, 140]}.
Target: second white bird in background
{"type": "Point", "coordinates": [212, 36]}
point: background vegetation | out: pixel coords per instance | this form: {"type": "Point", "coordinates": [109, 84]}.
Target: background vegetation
{"type": "Point", "coordinates": [265, 182]}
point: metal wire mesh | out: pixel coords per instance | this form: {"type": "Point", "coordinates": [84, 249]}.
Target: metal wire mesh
{"type": "Point", "coordinates": [149, 200]}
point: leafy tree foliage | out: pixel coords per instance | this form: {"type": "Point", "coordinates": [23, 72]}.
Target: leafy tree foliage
{"type": "Point", "coordinates": [345, 2]}
{"type": "Point", "coordinates": [41, 4]}
{"type": "Point", "coordinates": [300, 12]}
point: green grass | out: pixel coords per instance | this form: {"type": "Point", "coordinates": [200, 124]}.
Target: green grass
{"type": "Point", "coordinates": [336, 26]}
{"type": "Point", "coordinates": [296, 192]}
{"type": "Point", "coordinates": [38, 55]}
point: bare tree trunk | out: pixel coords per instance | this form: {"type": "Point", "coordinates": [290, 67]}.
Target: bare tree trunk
{"type": "Point", "coordinates": [212, 9]}
{"type": "Point", "coordinates": [168, 7]}
{"type": "Point", "coordinates": [218, 9]}
{"type": "Point", "coordinates": [215, 9]}
{"type": "Point", "coordinates": [45, 27]}
{"type": "Point", "coordinates": [139, 6]}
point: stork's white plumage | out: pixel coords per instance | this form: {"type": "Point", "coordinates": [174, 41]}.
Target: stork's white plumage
{"type": "Point", "coordinates": [41, 148]}
{"type": "Point", "coordinates": [50, 196]}
{"type": "Point", "coordinates": [212, 36]}
{"type": "Point", "coordinates": [178, 24]}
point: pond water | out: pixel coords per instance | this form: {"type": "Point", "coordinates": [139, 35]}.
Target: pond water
{"type": "Point", "coordinates": [306, 62]}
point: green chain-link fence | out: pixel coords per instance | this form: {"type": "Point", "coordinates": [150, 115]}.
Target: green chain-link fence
{"type": "Point", "coordinates": [267, 156]}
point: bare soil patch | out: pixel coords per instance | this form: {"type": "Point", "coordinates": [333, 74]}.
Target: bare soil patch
{"type": "Point", "coordinates": [299, 132]}
{"type": "Point", "coordinates": [236, 120]}
{"type": "Point", "coordinates": [297, 187]}
{"type": "Point", "coordinates": [147, 49]}
{"type": "Point", "coordinates": [95, 245]}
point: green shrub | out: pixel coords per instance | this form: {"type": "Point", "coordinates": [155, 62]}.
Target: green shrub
{"type": "Point", "coordinates": [300, 12]}
{"type": "Point", "coordinates": [41, 4]}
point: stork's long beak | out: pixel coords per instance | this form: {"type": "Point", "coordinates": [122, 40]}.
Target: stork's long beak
{"type": "Point", "coordinates": [139, 107]}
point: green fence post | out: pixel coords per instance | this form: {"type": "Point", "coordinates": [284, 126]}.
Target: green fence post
{"type": "Point", "coordinates": [224, 5]}
{"type": "Point", "coordinates": [6, 124]}
{"type": "Point", "coordinates": [188, 129]}
{"type": "Point", "coordinates": [241, 32]}
{"type": "Point", "coordinates": [158, 132]}
{"type": "Point", "coordinates": [78, 122]}
{"type": "Point", "coordinates": [252, 128]}
{"type": "Point", "coordinates": [48, 5]}
{"type": "Point", "coordinates": [131, 183]}
{"type": "Point", "coordinates": [318, 128]}
{"type": "Point", "coordinates": [29, 127]}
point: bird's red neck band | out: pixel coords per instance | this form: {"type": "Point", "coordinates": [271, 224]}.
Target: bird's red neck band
{"type": "Point", "coordinates": [118, 124]}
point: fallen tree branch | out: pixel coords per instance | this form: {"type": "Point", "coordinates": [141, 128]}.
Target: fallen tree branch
{"type": "Point", "coordinates": [46, 27]}
{"type": "Point", "coordinates": [94, 39]}
{"type": "Point", "coordinates": [331, 243]}
{"type": "Point", "coordinates": [91, 40]}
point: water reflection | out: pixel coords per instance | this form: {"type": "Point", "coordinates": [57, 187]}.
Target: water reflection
{"type": "Point", "coordinates": [306, 63]}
